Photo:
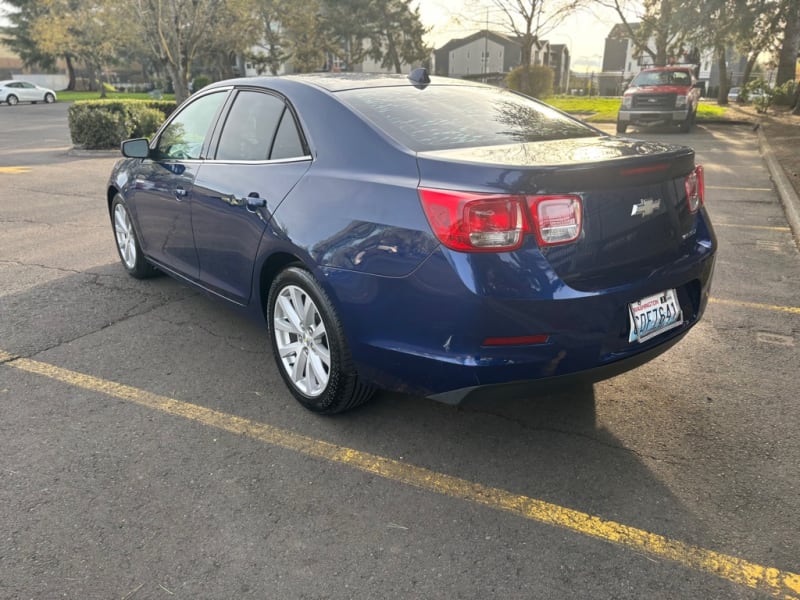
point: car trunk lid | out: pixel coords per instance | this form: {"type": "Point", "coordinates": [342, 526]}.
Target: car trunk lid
{"type": "Point", "coordinates": [635, 210]}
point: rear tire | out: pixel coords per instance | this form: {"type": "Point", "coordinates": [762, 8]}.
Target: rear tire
{"type": "Point", "coordinates": [309, 345]}
{"type": "Point", "coordinates": [128, 248]}
{"type": "Point", "coordinates": [12, 100]}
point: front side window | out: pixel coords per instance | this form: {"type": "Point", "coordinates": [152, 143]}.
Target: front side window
{"type": "Point", "coordinates": [183, 137]}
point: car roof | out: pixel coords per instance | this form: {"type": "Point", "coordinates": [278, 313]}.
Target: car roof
{"type": "Point", "coordinates": [668, 68]}
{"type": "Point", "coordinates": [337, 82]}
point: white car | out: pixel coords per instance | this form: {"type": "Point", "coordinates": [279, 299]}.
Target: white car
{"type": "Point", "coordinates": [13, 91]}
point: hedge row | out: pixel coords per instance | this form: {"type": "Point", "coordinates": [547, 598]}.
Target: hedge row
{"type": "Point", "coordinates": [101, 124]}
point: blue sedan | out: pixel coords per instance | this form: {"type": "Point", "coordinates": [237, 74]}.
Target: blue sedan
{"type": "Point", "coordinates": [433, 236]}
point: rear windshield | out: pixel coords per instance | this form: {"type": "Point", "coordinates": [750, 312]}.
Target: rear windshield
{"type": "Point", "coordinates": [662, 78]}
{"type": "Point", "coordinates": [445, 117]}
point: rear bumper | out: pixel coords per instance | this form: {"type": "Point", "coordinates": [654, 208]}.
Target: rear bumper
{"type": "Point", "coordinates": [423, 334]}
{"type": "Point", "coordinates": [644, 117]}
{"type": "Point", "coordinates": [525, 388]}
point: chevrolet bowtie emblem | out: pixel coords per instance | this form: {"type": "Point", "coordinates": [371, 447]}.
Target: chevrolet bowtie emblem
{"type": "Point", "coordinates": [646, 207]}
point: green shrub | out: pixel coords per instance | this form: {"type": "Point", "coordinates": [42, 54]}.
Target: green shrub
{"type": "Point", "coordinates": [98, 124]}
{"type": "Point", "coordinates": [145, 120]}
{"type": "Point", "coordinates": [200, 82]}
{"type": "Point", "coordinates": [784, 94]}
{"type": "Point", "coordinates": [540, 81]}
{"type": "Point", "coordinates": [94, 128]}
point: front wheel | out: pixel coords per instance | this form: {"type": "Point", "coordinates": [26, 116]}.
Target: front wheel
{"type": "Point", "coordinates": [49, 98]}
{"type": "Point", "coordinates": [309, 345]}
{"type": "Point", "coordinates": [12, 100]}
{"type": "Point", "coordinates": [130, 252]}
{"type": "Point", "coordinates": [686, 126]}
{"type": "Point", "coordinates": [622, 127]}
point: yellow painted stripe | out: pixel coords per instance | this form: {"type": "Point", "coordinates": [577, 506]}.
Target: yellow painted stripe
{"type": "Point", "coordinates": [780, 584]}
{"type": "Point", "coordinates": [759, 227]}
{"type": "Point", "coordinates": [738, 189]}
{"type": "Point", "coordinates": [14, 170]}
{"type": "Point", "coordinates": [792, 310]}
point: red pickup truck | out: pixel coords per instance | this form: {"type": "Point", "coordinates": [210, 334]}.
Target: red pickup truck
{"type": "Point", "coordinates": [660, 96]}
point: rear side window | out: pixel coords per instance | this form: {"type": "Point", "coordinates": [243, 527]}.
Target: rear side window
{"type": "Point", "coordinates": [445, 117]}
{"type": "Point", "coordinates": [259, 127]}
{"type": "Point", "coordinates": [250, 127]}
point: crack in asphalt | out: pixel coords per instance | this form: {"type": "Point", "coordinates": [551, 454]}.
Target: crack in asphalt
{"type": "Point", "coordinates": [229, 340]}
{"type": "Point", "coordinates": [127, 316]}
{"type": "Point", "coordinates": [18, 263]}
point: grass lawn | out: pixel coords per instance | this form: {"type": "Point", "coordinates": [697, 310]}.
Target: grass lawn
{"type": "Point", "coordinates": [66, 96]}
{"type": "Point", "coordinates": [604, 110]}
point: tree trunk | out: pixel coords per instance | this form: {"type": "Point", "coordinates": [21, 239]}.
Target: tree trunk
{"type": "Point", "coordinates": [787, 58]}
{"type": "Point", "coordinates": [70, 73]}
{"type": "Point", "coordinates": [722, 65]}
{"type": "Point", "coordinates": [796, 105]}
{"type": "Point", "coordinates": [179, 78]}
{"type": "Point", "coordinates": [748, 68]}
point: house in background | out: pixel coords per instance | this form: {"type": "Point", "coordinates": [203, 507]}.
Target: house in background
{"type": "Point", "coordinates": [489, 56]}
{"type": "Point", "coordinates": [10, 63]}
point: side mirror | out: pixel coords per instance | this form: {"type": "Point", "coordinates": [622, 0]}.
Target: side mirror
{"type": "Point", "coordinates": [137, 148]}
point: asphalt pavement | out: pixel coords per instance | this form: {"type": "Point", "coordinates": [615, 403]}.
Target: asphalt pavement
{"type": "Point", "coordinates": [148, 447]}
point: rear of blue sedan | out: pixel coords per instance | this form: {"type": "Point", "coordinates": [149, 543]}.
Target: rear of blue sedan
{"type": "Point", "coordinates": [451, 239]}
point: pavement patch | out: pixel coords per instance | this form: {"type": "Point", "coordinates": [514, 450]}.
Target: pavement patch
{"type": "Point", "coordinates": [778, 583]}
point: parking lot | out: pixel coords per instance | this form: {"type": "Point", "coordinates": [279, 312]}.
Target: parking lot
{"type": "Point", "coordinates": [149, 448]}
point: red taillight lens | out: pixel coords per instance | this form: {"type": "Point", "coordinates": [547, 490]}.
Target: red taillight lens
{"type": "Point", "coordinates": [472, 222]}
{"type": "Point", "coordinates": [695, 188]}
{"type": "Point", "coordinates": [557, 219]}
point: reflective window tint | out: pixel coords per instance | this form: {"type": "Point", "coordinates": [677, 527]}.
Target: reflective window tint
{"type": "Point", "coordinates": [287, 141]}
{"type": "Point", "coordinates": [250, 127]}
{"type": "Point", "coordinates": [183, 138]}
{"type": "Point", "coordinates": [443, 117]}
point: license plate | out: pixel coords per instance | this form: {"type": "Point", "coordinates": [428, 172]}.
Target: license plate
{"type": "Point", "coordinates": [654, 315]}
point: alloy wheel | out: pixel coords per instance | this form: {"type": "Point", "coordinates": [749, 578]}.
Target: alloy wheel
{"type": "Point", "coordinates": [126, 241]}
{"type": "Point", "coordinates": [302, 341]}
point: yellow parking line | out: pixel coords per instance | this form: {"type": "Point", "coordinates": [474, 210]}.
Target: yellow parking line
{"type": "Point", "coordinates": [780, 584]}
{"type": "Point", "coordinates": [738, 189]}
{"type": "Point", "coordinates": [792, 310]}
{"type": "Point", "coordinates": [14, 170]}
{"type": "Point", "coordinates": [761, 227]}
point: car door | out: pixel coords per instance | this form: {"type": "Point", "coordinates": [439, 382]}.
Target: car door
{"type": "Point", "coordinates": [259, 156]}
{"type": "Point", "coordinates": [29, 92]}
{"type": "Point", "coordinates": [161, 194]}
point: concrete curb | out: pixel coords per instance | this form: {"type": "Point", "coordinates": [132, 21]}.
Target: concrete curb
{"type": "Point", "coordinates": [789, 198]}
{"type": "Point", "coordinates": [75, 151]}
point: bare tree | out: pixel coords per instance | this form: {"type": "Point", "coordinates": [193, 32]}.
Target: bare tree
{"type": "Point", "coordinates": [528, 21]}
{"type": "Point", "coordinates": [177, 31]}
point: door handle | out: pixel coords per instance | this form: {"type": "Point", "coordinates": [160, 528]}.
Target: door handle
{"type": "Point", "coordinates": [253, 202]}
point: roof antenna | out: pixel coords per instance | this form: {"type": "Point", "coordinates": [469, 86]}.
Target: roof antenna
{"type": "Point", "coordinates": [420, 78]}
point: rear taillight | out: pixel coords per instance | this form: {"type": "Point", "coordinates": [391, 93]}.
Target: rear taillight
{"type": "Point", "coordinates": [695, 189]}
{"type": "Point", "coordinates": [557, 219]}
{"type": "Point", "coordinates": [474, 222]}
